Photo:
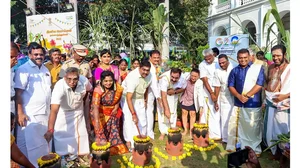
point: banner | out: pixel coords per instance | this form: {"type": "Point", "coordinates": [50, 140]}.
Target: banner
{"type": "Point", "coordinates": [230, 45]}
{"type": "Point", "coordinates": [53, 30]}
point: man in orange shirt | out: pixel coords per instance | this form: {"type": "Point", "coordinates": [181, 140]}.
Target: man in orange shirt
{"type": "Point", "coordinates": [54, 65]}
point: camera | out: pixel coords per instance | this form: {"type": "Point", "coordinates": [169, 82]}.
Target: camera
{"type": "Point", "coordinates": [236, 159]}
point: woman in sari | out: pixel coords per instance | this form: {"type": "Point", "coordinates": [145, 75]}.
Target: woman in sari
{"type": "Point", "coordinates": [106, 112]}
{"type": "Point", "coordinates": [123, 69]}
{"type": "Point", "coordinates": [106, 58]}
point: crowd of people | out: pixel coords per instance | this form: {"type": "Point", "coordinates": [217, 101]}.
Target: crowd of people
{"type": "Point", "coordinates": [64, 105]}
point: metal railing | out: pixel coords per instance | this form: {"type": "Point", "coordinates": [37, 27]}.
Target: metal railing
{"type": "Point", "coordinates": [244, 2]}
{"type": "Point", "coordinates": [223, 7]}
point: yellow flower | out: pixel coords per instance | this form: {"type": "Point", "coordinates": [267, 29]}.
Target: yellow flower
{"type": "Point", "coordinates": [212, 141]}
{"type": "Point", "coordinates": [100, 148]}
{"type": "Point", "coordinates": [180, 157]}
{"type": "Point", "coordinates": [156, 149]}
{"type": "Point", "coordinates": [201, 149]}
{"type": "Point", "coordinates": [184, 155]}
{"type": "Point", "coordinates": [171, 130]}
{"type": "Point", "coordinates": [44, 162]}
{"type": "Point", "coordinates": [204, 149]}
{"type": "Point", "coordinates": [173, 157]}
{"type": "Point", "coordinates": [141, 140]}
{"type": "Point", "coordinates": [151, 166]}
{"type": "Point", "coordinates": [119, 161]}
{"type": "Point", "coordinates": [189, 154]}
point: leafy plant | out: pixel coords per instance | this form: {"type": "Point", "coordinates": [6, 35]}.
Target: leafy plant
{"type": "Point", "coordinates": [282, 138]}
{"type": "Point", "coordinates": [179, 64]}
{"type": "Point", "coordinates": [285, 34]}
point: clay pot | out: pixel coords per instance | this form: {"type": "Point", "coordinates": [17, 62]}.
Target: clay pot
{"type": "Point", "coordinates": [101, 156]}
{"type": "Point", "coordinates": [54, 164]}
{"type": "Point", "coordinates": [200, 137]}
{"type": "Point", "coordinates": [51, 165]}
{"type": "Point", "coordinates": [179, 123]}
{"type": "Point", "coordinates": [142, 153]}
{"type": "Point", "coordinates": [174, 146]}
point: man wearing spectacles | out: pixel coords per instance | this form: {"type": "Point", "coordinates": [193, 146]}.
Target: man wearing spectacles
{"type": "Point", "coordinates": [67, 114]}
{"type": "Point", "coordinates": [33, 93]}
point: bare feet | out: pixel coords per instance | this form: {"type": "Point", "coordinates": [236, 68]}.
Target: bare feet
{"type": "Point", "coordinates": [161, 137]}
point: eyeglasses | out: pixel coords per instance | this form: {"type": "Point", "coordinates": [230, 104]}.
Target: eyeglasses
{"type": "Point", "coordinates": [38, 54]}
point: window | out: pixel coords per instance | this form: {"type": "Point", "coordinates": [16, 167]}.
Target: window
{"type": "Point", "coordinates": [222, 1]}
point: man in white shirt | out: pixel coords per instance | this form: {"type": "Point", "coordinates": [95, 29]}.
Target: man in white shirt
{"type": "Point", "coordinates": [155, 58]}
{"type": "Point", "coordinates": [135, 90]}
{"type": "Point", "coordinates": [66, 120]}
{"type": "Point", "coordinates": [224, 103]}
{"type": "Point", "coordinates": [14, 51]}
{"type": "Point", "coordinates": [171, 84]}
{"type": "Point", "coordinates": [211, 117]}
{"type": "Point", "coordinates": [33, 93]}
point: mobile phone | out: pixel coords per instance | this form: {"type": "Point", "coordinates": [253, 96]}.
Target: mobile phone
{"type": "Point", "coordinates": [238, 158]}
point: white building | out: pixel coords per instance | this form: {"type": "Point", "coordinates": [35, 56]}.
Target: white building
{"type": "Point", "coordinates": [248, 13]}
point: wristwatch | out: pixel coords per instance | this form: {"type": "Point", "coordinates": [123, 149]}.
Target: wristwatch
{"type": "Point", "coordinates": [175, 92]}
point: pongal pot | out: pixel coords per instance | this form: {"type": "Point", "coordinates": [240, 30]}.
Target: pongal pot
{"type": "Point", "coordinates": [142, 152]}
{"type": "Point", "coordinates": [174, 145]}
{"type": "Point", "coordinates": [200, 135]}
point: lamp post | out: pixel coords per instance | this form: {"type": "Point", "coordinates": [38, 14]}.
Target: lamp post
{"type": "Point", "coordinates": [166, 35]}
{"type": "Point", "coordinates": [31, 5]}
{"type": "Point", "coordinates": [76, 14]}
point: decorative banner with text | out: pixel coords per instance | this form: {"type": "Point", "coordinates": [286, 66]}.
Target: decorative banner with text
{"type": "Point", "coordinates": [53, 30]}
{"type": "Point", "coordinates": [230, 45]}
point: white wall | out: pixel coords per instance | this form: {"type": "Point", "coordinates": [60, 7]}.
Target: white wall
{"type": "Point", "coordinates": [254, 12]}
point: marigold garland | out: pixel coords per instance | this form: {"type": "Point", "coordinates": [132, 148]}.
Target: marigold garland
{"type": "Point", "coordinates": [171, 130]}
{"type": "Point", "coordinates": [95, 147]}
{"type": "Point", "coordinates": [42, 163]}
{"type": "Point", "coordinates": [200, 126]}
{"type": "Point", "coordinates": [141, 140]}
{"type": "Point", "coordinates": [180, 157]}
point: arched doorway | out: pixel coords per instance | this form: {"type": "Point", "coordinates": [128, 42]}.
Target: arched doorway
{"type": "Point", "coordinates": [286, 21]}
{"type": "Point", "coordinates": [220, 31]}
{"type": "Point", "coordinates": [250, 27]}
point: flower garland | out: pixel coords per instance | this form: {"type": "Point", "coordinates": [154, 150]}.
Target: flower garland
{"type": "Point", "coordinates": [212, 145]}
{"type": "Point", "coordinates": [95, 147]}
{"type": "Point", "coordinates": [42, 162]}
{"type": "Point", "coordinates": [200, 126]}
{"type": "Point", "coordinates": [132, 165]}
{"type": "Point", "coordinates": [188, 153]}
{"type": "Point", "coordinates": [171, 130]}
{"type": "Point", "coordinates": [141, 140]}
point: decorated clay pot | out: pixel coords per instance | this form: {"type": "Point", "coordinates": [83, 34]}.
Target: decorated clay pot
{"type": "Point", "coordinates": [142, 152]}
{"type": "Point", "coordinates": [101, 153]}
{"type": "Point", "coordinates": [51, 160]}
{"type": "Point", "coordinates": [174, 145]}
{"type": "Point", "coordinates": [200, 135]}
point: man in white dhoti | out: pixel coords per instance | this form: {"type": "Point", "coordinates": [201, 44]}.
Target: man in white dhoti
{"type": "Point", "coordinates": [171, 84]}
{"type": "Point", "coordinates": [33, 93]}
{"type": "Point", "coordinates": [277, 116]}
{"type": "Point", "coordinates": [211, 117]}
{"type": "Point", "coordinates": [135, 92]}
{"type": "Point", "coordinates": [224, 103]}
{"type": "Point", "coordinates": [153, 92]}
{"type": "Point", "coordinates": [245, 83]}
{"type": "Point", "coordinates": [66, 121]}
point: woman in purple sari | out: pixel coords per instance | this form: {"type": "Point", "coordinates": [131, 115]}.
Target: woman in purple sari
{"type": "Point", "coordinates": [105, 57]}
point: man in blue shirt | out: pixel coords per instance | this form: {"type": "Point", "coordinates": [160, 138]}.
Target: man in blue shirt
{"type": "Point", "coordinates": [245, 83]}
